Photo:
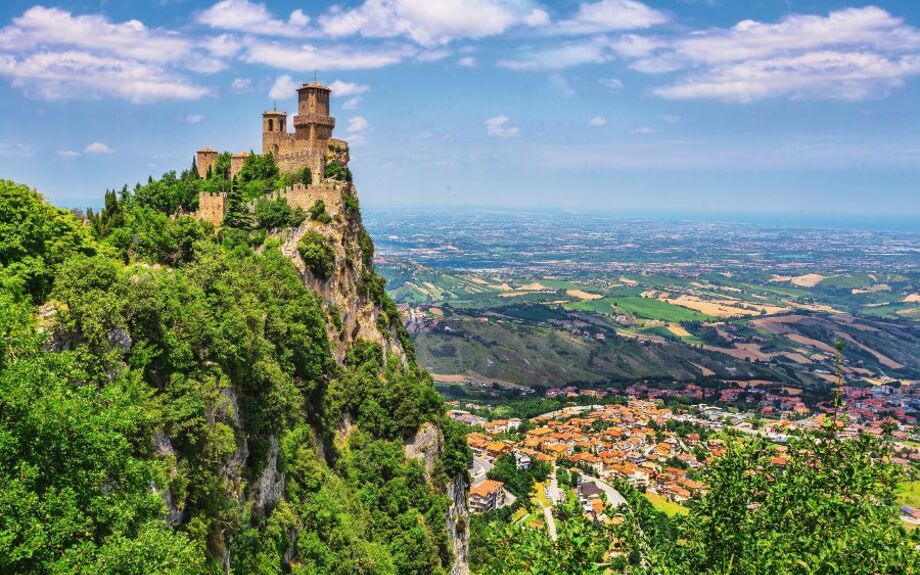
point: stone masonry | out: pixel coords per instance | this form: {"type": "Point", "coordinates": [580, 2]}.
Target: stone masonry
{"type": "Point", "coordinates": [311, 145]}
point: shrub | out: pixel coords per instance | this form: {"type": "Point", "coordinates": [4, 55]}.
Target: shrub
{"type": "Point", "coordinates": [318, 212]}
{"type": "Point", "coordinates": [337, 171]}
{"type": "Point", "coordinates": [317, 253]}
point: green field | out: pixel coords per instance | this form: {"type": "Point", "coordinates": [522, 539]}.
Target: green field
{"type": "Point", "coordinates": [669, 508]}
{"type": "Point", "coordinates": [909, 493]}
{"type": "Point", "coordinates": [640, 307]}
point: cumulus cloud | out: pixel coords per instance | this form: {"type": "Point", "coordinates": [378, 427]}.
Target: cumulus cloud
{"type": "Point", "coordinates": [240, 85]}
{"type": "Point", "coordinates": [426, 22]}
{"type": "Point", "coordinates": [70, 75]}
{"type": "Point", "coordinates": [41, 27]}
{"type": "Point", "coordinates": [607, 16]}
{"type": "Point", "coordinates": [563, 55]}
{"type": "Point", "coordinates": [850, 54]}
{"type": "Point", "coordinates": [351, 103]}
{"type": "Point", "coordinates": [356, 128]}
{"type": "Point", "coordinates": [342, 89]}
{"type": "Point", "coordinates": [307, 57]}
{"type": "Point", "coordinates": [55, 55]}
{"type": "Point", "coordinates": [597, 121]}
{"type": "Point", "coordinates": [611, 83]}
{"type": "Point", "coordinates": [252, 18]}
{"type": "Point", "coordinates": [467, 62]}
{"type": "Point", "coordinates": [97, 148]}
{"type": "Point", "coordinates": [68, 153]}
{"type": "Point", "coordinates": [498, 127]}
{"type": "Point", "coordinates": [283, 88]}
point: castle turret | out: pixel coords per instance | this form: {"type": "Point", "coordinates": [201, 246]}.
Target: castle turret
{"type": "Point", "coordinates": [313, 122]}
{"type": "Point", "coordinates": [274, 132]}
{"type": "Point", "coordinates": [205, 160]}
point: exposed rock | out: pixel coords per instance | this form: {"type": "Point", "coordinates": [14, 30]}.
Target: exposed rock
{"type": "Point", "coordinates": [426, 446]}
{"type": "Point", "coordinates": [269, 487]}
{"type": "Point", "coordinates": [458, 524]}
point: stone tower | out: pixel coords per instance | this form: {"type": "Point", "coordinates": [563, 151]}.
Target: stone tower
{"type": "Point", "coordinates": [313, 122]}
{"type": "Point", "coordinates": [205, 160]}
{"type": "Point", "coordinates": [274, 132]}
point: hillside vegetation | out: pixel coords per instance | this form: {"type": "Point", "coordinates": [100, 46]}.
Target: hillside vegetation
{"type": "Point", "coordinates": [170, 403]}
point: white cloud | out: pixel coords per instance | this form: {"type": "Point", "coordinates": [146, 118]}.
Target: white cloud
{"type": "Point", "coordinates": [351, 103]}
{"type": "Point", "coordinates": [253, 18]}
{"type": "Point", "coordinates": [356, 128]}
{"type": "Point", "coordinates": [68, 153]}
{"type": "Point", "coordinates": [357, 124]}
{"type": "Point", "coordinates": [646, 130]}
{"type": "Point", "coordinates": [426, 22]}
{"type": "Point", "coordinates": [850, 54]}
{"type": "Point", "coordinates": [562, 55]}
{"type": "Point", "coordinates": [194, 118]}
{"type": "Point", "coordinates": [536, 17]}
{"type": "Point", "coordinates": [498, 127]}
{"type": "Point", "coordinates": [467, 62]}
{"type": "Point", "coordinates": [612, 83]}
{"type": "Point", "coordinates": [41, 27]}
{"type": "Point", "coordinates": [306, 57]}
{"type": "Point", "coordinates": [54, 55]}
{"type": "Point", "coordinates": [597, 121]}
{"type": "Point", "coordinates": [815, 75]}
{"type": "Point", "coordinates": [283, 88]}
{"type": "Point", "coordinates": [97, 148]}
{"type": "Point", "coordinates": [671, 118]}
{"type": "Point", "coordinates": [16, 150]}
{"type": "Point", "coordinates": [240, 85]}
{"type": "Point", "coordinates": [70, 75]}
{"type": "Point", "coordinates": [609, 15]}
{"type": "Point", "coordinates": [867, 28]}
{"type": "Point", "coordinates": [342, 89]}
{"type": "Point", "coordinates": [223, 45]}
{"type": "Point", "coordinates": [635, 45]}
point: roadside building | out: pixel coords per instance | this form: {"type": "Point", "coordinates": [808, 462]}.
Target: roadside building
{"type": "Point", "coordinates": [487, 495]}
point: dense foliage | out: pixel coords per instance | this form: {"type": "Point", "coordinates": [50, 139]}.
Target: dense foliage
{"type": "Point", "coordinates": [156, 378]}
{"type": "Point", "coordinates": [520, 482]}
{"type": "Point", "coordinates": [825, 506]}
{"type": "Point", "coordinates": [316, 251]}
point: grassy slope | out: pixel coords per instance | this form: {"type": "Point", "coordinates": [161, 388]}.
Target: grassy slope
{"type": "Point", "coordinates": [641, 307]}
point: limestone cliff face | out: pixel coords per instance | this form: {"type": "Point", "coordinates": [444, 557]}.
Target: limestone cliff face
{"type": "Point", "coordinates": [341, 293]}
{"type": "Point", "coordinates": [354, 316]}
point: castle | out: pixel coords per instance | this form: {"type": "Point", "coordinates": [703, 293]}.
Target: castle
{"type": "Point", "coordinates": [311, 145]}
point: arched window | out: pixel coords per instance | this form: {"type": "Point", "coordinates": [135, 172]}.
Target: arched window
{"type": "Point", "coordinates": [271, 125]}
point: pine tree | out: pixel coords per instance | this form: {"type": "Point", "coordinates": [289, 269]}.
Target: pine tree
{"type": "Point", "coordinates": [237, 215]}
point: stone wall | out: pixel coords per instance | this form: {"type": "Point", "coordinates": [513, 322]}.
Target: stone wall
{"type": "Point", "coordinates": [301, 196]}
{"type": "Point", "coordinates": [236, 162]}
{"type": "Point", "coordinates": [211, 207]}
{"type": "Point", "coordinates": [205, 160]}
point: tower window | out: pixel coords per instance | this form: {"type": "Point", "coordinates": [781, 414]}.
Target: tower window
{"type": "Point", "coordinates": [271, 125]}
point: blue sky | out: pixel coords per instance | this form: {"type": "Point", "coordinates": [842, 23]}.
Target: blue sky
{"type": "Point", "coordinates": [662, 106]}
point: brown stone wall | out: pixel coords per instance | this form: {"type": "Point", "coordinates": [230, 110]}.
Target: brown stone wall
{"type": "Point", "coordinates": [205, 160]}
{"type": "Point", "coordinates": [236, 163]}
{"type": "Point", "coordinates": [211, 207]}
{"type": "Point", "coordinates": [304, 197]}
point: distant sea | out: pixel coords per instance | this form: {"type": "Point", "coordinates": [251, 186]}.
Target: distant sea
{"type": "Point", "coordinates": [906, 223]}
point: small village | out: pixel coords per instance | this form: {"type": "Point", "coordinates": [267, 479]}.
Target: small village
{"type": "Point", "coordinates": [655, 449]}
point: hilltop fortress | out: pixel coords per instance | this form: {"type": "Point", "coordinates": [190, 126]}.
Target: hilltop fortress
{"type": "Point", "coordinates": [311, 145]}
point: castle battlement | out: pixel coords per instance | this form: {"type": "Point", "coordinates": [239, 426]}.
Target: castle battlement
{"type": "Point", "coordinates": [310, 145]}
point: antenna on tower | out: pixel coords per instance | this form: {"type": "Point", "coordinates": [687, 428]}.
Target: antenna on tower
{"type": "Point", "coordinates": [315, 79]}
{"type": "Point", "coordinates": [274, 105]}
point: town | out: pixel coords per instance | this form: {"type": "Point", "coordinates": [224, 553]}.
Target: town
{"type": "Point", "coordinates": [655, 449]}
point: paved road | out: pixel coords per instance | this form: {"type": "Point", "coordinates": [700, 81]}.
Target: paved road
{"type": "Point", "coordinates": [613, 496]}
{"type": "Point", "coordinates": [480, 467]}
{"type": "Point", "coordinates": [552, 488]}
{"type": "Point", "coordinates": [550, 522]}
